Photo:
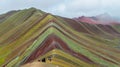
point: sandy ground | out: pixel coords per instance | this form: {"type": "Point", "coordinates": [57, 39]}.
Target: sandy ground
{"type": "Point", "coordinates": [38, 64]}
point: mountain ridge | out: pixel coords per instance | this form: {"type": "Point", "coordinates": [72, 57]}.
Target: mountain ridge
{"type": "Point", "coordinates": [96, 42]}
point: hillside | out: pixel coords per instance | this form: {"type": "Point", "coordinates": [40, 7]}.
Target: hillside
{"type": "Point", "coordinates": [31, 35]}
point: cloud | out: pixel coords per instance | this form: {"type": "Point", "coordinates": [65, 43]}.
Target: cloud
{"type": "Point", "coordinates": [67, 8]}
{"type": "Point", "coordinates": [83, 5]}
{"type": "Point", "coordinates": [74, 8]}
{"type": "Point", "coordinates": [7, 5]}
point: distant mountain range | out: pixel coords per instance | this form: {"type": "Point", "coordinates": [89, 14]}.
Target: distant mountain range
{"type": "Point", "coordinates": [104, 19]}
{"type": "Point", "coordinates": [31, 35]}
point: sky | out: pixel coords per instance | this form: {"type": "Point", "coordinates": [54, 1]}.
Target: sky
{"type": "Point", "coordinates": [66, 8]}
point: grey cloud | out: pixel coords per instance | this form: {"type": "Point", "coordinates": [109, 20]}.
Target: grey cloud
{"type": "Point", "coordinates": [6, 5]}
{"type": "Point", "coordinates": [67, 8]}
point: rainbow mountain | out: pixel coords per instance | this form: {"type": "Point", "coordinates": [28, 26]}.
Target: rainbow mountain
{"type": "Point", "coordinates": [31, 35]}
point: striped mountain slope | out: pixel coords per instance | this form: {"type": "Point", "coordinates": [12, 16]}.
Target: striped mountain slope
{"type": "Point", "coordinates": [32, 35]}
